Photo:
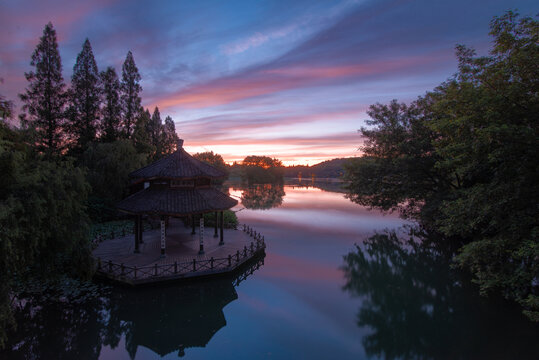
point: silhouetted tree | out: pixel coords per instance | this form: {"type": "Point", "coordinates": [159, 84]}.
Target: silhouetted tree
{"type": "Point", "coordinates": [213, 159]}
{"type": "Point", "coordinates": [463, 161]}
{"type": "Point", "coordinates": [108, 167]}
{"type": "Point", "coordinates": [171, 138]}
{"type": "Point", "coordinates": [155, 130]}
{"type": "Point", "coordinates": [85, 96]}
{"type": "Point", "coordinates": [112, 110]}
{"type": "Point", "coordinates": [6, 108]}
{"type": "Point", "coordinates": [262, 170]}
{"type": "Point", "coordinates": [141, 136]}
{"type": "Point", "coordinates": [45, 97]}
{"type": "Point", "coordinates": [130, 98]}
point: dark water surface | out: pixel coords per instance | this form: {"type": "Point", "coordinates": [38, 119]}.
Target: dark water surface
{"type": "Point", "coordinates": [316, 296]}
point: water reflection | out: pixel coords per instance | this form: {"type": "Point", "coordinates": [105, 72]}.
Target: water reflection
{"type": "Point", "coordinates": [417, 308]}
{"type": "Point", "coordinates": [164, 319]}
{"type": "Point", "coordinates": [327, 184]}
{"type": "Point", "coordinates": [262, 196]}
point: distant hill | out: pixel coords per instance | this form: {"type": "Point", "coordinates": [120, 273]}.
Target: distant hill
{"type": "Point", "coordinates": [327, 169]}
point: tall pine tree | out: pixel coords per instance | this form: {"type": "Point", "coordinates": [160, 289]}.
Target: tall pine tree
{"type": "Point", "coordinates": [155, 129]}
{"type": "Point", "coordinates": [141, 137]}
{"type": "Point", "coordinates": [85, 96]}
{"type": "Point", "coordinates": [171, 138]}
{"type": "Point", "coordinates": [45, 97]}
{"type": "Point", "coordinates": [111, 112]}
{"type": "Point", "coordinates": [130, 90]}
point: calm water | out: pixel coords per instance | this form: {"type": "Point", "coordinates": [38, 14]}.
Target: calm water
{"type": "Point", "coordinates": [316, 296]}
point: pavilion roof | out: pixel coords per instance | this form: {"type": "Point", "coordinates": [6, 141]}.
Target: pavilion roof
{"type": "Point", "coordinates": [176, 201]}
{"type": "Point", "coordinates": [178, 165]}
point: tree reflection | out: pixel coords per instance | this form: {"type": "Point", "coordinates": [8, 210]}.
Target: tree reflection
{"type": "Point", "coordinates": [164, 319]}
{"type": "Point", "coordinates": [76, 333]}
{"type": "Point", "coordinates": [418, 308]}
{"type": "Point", "coordinates": [262, 196]}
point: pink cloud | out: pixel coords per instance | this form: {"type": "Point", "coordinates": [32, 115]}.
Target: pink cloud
{"type": "Point", "coordinates": [259, 82]}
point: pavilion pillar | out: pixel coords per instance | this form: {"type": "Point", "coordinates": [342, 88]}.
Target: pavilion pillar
{"type": "Point", "coordinates": [201, 236]}
{"type": "Point", "coordinates": [140, 229]}
{"type": "Point", "coordinates": [193, 232]}
{"type": "Point", "coordinates": [221, 239]}
{"type": "Point", "coordinates": [163, 239]}
{"type": "Point", "coordinates": [136, 233]}
{"type": "Point", "coordinates": [216, 224]}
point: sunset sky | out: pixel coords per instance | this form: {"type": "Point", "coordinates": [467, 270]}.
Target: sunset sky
{"type": "Point", "coordinates": [287, 79]}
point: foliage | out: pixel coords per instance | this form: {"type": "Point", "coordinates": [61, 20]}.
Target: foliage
{"type": "Point", "coordinates": [141, 137]}
{"type": "Point", "coordinates": [43, 221]}
{"type": "Point", "coordinates": [116, 227]}
{"type": "Point", "coordinates": [463, 160]}
{"type": "Point", "coordinates": [170, 136]}
{"type": "Point", "coordinates": [155, 130]}
{"type": "Point", "coordinates": [262, 170]}
{"type": "Point", "coordinates": [45, 98]}
{"type": "Point", "coordinates": [130, 94]}
{"type": "Point", "coordinates": [109, 165]}
{"type": "Point", "coordinates": [6, 108]}
{"type": "Point", "coordinates": [214, 160]}
{"type": "Point", "coordinates": [111, 112]}
{"type": "Point", "coordinates": [230, 219]}
{"type": "Point", "coordinates": [85, 99]}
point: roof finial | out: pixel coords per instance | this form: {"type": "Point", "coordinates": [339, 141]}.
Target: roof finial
{"type": "Point", "coordinates": [180, 144]}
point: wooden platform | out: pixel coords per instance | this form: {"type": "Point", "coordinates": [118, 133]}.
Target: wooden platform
{"type": "Point", "coordinates": [116, 258]}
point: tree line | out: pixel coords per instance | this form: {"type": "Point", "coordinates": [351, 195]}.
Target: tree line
{"type": "Point", "coordinates": [68, 163]}
{"type": "Point", "coordinates": [97, 107]}
{"type": "Point", "coordinates": [462, 160]}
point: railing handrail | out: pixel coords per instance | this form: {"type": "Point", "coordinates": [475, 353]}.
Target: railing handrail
{"type": "Point", "coordinates": [178, 268]}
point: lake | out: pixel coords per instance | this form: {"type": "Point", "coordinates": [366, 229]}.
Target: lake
{"type": "Point", "coordinates": [315, 295]}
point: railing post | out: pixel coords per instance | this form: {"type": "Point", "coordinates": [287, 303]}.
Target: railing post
{"type": "Point", "coordinates": [211, 263]}
{"type": "Point", "coordinates": [175, 267]}
{"type": "Point", "coordinates": [229, 260]}
{"type": "Point", "coordinates": [110, 266]}
{"type": "Point", "coordinates": [245, 251]}
{"type": "Point", "coordinates": [122, 269]}
{"type": "Point", "coordinates": [237, 256]}
{"type": "Point", "coordinates": [155, 270]}
{"type": "Point", "coordinates": [194, 265]}
{"type": "Point", "coordinates": [252, 248]}
{"type": "Point", "coordinates": [135, 271]}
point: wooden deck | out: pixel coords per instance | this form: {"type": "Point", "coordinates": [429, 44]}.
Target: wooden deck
{"type": "Point", "coordinates": [117, 260]}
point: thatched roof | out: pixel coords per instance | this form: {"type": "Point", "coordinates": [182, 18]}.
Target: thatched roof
{"type": "Point", "coordinates": [178, 165]}
{"type": "Point", "coordinates": [176, 201]}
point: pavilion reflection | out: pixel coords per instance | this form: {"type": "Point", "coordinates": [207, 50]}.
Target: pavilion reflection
{"type": "Point", "coordinates": [164, 319]}
{"type": "Point", "coordinates": [169, 319]}
{"type": "Point", "coordinates": [413, 303]}
{"type": "Point", "coordinates": [262, 196]}
{"type": "Point", "coordinates": [173, 318]}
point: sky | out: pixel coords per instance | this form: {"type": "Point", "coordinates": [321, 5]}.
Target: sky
{"type": "Point", "coordinates": [286, 79]}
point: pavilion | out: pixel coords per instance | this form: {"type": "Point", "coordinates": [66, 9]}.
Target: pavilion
{"type": "Point", "coordinates": [180, 186]}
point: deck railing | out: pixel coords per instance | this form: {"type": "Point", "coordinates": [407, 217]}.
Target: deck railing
{"type": "Point", "coordinates": [184, 269]}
